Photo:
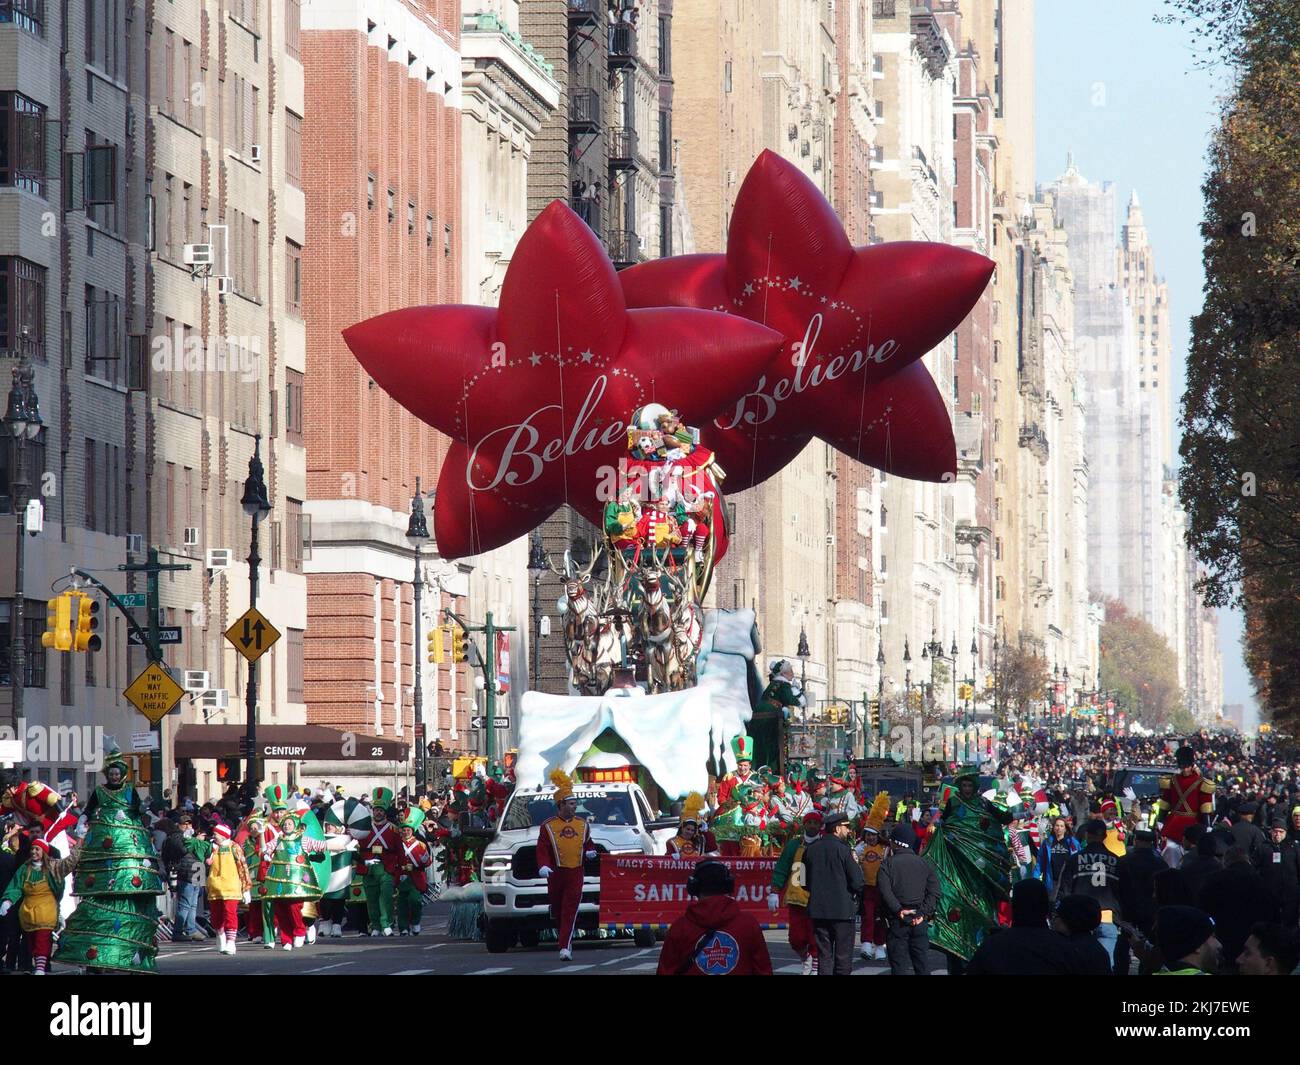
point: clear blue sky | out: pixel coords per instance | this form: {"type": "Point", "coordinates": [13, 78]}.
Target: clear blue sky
{"type": "Point", "coordinates": [1125, 95]}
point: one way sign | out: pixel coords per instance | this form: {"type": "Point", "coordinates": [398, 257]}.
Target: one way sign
{"type": "Point", "coordinates": [480, 722]}
{"type": "Point", "coordinates": [252, 635]}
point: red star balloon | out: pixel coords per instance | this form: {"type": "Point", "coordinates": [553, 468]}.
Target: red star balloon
{"type": "Point", "coordinates": [855, 321]}
{"type": "Point", "coordinates": [537, 395]}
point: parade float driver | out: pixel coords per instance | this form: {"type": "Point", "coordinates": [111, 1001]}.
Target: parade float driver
{"type": "Point", "coordinates": [563, 843]}
{"type": "Point", "coordinates": [1186, 799]}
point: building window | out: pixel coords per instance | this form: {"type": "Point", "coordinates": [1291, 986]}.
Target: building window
{"type": "Point", "coordinates": [997, 549]}
{"type": "Point", "coordinates": [293, 276]}
{"type": "Point", "coordinates": [293, 148]}
{"type": "Point", "coordinates": [34, 456]}
{"type": "Point", "coordinates": [392, 204]}
{"type": "Point", "coordinates": [665, 140]}
{"type": "Point", "coordinates": [410, 218]}
{"type": "Point", "coordinates": [26, 14]}
{"type": "Point", "coordinates": [294, 547]}
{"type": "Point", "coordinates": [104, 35]}
{"type": "Point", "coordinates": [103, 334]}
{"type": "Point", "coordinates": [370, 191]}
{"type": "Point", "coordinates": [884, 517]}
{"type": "Point", "coordinates": [726, 77]}
{"type": "Point", "coordinates": [22, 143]}
{"type": "Point", "coordinates": [292, 26]}
{"type": "Point", "coordinates": [22, 308]}
{"type": "Point", "coordinates": [294, 643]}
{"type": "Point", "coordinates": [428, 231]}
{"type": "Point", "coordinates": [446, 241]}
{"type": "Point", "coordinates": [293, 381]}
{"type": "Point", "coordinates": [101, 181]}
{"type": "Point", "coordinates": [34, 652]}
{"type": "Point", "coordinates": [665, 230]}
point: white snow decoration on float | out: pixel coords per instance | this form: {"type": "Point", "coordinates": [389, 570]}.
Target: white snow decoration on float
{"type": "Point", "coordinates": [671, 734]}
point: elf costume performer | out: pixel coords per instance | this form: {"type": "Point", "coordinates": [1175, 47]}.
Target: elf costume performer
{"type": "Point", "coordinates": [37, 887]}
{"type": "Point", "coordinates": [413, 875]}
{"type": "Point", "coordinates": [870, 853]}
{"type": "Point", "coordinates": [286, 874]}
{"type": "Point", "coordinates": [259, 920]}
{"type": "Point", "coordinates": [563, 843]}
{"type": "Point", "coordinates": [969, 851]}
{"type": "Point", "coordinates": [117, 881]}
{"type": "Point", "coordinates": [1185, 799]}
{"type": "Point", "coordinates": [227, 883]}
{"type": "Point", "coordinates": [743, 748]}
{"type": "Point", "coordinates": [693, 840]}
{"type": "Point", "coordinates": [342, 886]}
{"type": "Point", "coordinates": [788, 878]}
{"type": "Point", "coordinates": [379, 862]}
{"type": "Point", "coordinates": [841, 797]}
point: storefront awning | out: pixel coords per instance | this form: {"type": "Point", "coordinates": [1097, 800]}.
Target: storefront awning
{"type": "Point", "coordinates": [313, 743]}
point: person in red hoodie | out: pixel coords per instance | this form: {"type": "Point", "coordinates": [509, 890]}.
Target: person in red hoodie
{"type": "Point", "coordinates": [714, 937]}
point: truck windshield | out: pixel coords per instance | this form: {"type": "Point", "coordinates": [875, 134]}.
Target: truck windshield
{"type": "Point", "coordinates": [529, 811]}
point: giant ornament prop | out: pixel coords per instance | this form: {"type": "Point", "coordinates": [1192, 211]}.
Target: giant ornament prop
{"type": "Point", "coordinates": [536, 395]}
{"type": "Point", "coordinates": [856, 322]}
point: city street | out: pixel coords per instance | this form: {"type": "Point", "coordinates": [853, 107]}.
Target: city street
{"type": "Point", "coordinates": [433, 954]}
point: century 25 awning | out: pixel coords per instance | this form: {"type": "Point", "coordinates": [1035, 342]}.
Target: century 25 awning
{"type": "Point", "coordinates": [312, 743]}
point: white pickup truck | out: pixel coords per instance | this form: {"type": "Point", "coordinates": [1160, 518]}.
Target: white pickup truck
{"type": "Point", "coordinates": [515, 907]}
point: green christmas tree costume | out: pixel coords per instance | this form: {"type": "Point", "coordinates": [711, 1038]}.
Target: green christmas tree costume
{"type": "Point", "coordinates": [291, 874]}
{"type": "Point", "coordinates": [115, 924]}
{"type": "Point", "coordinates": [969, 851]}
{"type": "Point", "coordinates": [253, 859]}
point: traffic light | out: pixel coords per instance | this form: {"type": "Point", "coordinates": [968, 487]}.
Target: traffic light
{"type": "Point", "coordinates": [437, 652]}
{"type": "Point", "coordinates": [229, 770]}
{"type": "Point", "coordinates": [58, 622]}
{"type": "Point", "coordinates": [459, 644]}
{"type": "Point", "coordinates": [965, 692]}
{"type": "Point", "coordinates": [143, 768]}
{"type": "Point", "coordinates": [873, 709]}
{"type": "Point", "coordinates": [85, 638]}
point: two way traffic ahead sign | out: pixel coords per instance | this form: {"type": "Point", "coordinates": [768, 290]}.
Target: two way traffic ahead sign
{"type": "Point", "coordinates": [252, 635]}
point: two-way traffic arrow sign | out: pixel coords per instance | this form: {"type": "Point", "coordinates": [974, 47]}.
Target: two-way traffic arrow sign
{"type": "Point", "coordinates": [252, 635]}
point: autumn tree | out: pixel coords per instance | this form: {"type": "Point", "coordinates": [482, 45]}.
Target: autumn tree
{"type": "Point", "coordinates": [1139, 666]}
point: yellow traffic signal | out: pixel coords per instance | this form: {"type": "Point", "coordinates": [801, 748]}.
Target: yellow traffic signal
{"type": "Point", "coordinates": [459, 644]}
{"type": "Point", "coordinates": [965, 692]}
{"type": "Point", "coordinates": [437, 651]}
{"type": "Point", "coordinates": [58, 622]}
{"type": "Point", "coordinates": [85, 638]}
{"type": "Point", "coordinates": [874, 712]}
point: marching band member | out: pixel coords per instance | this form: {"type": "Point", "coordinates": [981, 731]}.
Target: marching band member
{"type": "Point", "coordinates": [562, 845]}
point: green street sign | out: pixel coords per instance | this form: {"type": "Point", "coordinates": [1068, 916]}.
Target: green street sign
{"type": "Point", "coordinates": [133, 599]}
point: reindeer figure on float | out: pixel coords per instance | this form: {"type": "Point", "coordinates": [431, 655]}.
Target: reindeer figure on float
{"type": "Point", "coordinates": [596, 635]}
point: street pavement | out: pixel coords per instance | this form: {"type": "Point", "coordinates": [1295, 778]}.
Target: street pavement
{"type": "Point", "coordinates": [432, 954]}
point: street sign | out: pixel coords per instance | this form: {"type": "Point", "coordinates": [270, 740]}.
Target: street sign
{"type": "Point", "coordinates": [252, 635]}
{"type": "Point", "coordinates": [501, 722]}
{"type": "Point", "coordinates": [144, 741]}
{"type": "Point", "coordinates": [476, 723]}
{"type": "Point", "coordinates": [133, 599]}
{"type": "Point", "coordinates": [170, 634]}
{"type": "Point", "coordinates": [480, 723]}
{"type": "Point", "coordinates": [153, 692]}
{"type": "Point", "coordinates": [419, 731]}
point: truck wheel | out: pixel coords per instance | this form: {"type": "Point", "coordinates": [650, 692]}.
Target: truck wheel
{"type": "Point", "coordinates": [498, 937]}
{"type": "Point", "coordinates": [529, 938]}
{"type": "Point", "coordinates": [643, 937]}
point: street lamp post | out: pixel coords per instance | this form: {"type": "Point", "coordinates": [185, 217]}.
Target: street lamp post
{"type": "Point", "coordinates": [803, 653]}
{"type": "Point", "coordinates": [538, 563]}
{"type": "Point", "coordinates": [22, 421]}
{"type": "Point", "coordinates": [880, 686]}
{"type": "Point", "coordinates": [256, 506]}
{"type": "Point", "coordinates": [907, 674]}
{"type": "Point", "coordinates": [417, 532]}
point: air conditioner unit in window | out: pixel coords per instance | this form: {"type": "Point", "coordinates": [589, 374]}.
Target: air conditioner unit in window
{"type": "Point", "coordinates": [134, 544]}
{"type": "Point", "coordinates": [255, 153]}
{"type": "Point", "coordinates": [197, 680]}
{"type": "Point", "coordinates": [225, 285]}
{"type": "Point", "coordinates": [198, 254]}
{"type": "Point", "coordinates": [215, 700]}
{"type": "Point", "coordinates": [219, 557]}
{"type": "Point", "coordinates": [191, 536]}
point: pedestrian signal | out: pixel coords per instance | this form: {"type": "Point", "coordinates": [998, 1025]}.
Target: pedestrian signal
{"type": "Point", "coordinates": [85, 638]}
{"type": "Point", "coordinates": [229, 770]}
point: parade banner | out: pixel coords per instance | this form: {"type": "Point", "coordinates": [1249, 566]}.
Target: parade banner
{"type": "Point", "coordinates": [650, 892]}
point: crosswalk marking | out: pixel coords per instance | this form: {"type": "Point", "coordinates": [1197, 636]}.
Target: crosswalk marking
{"type": "Point", "coordinates": [489, 972]}
{"type": "Point", "coordinates": [413, 972]}
{"type": "Point", "coordinates": [326, 968]}
{"type": "Point", "coordinates": [626, 957]}
{"type": "Point", "coordinates": [570, 969]}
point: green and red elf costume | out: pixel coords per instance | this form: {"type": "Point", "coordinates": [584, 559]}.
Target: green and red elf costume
{"type": "Point", "coordinates": [379, 863]}
{"type": "Point", "coordinates": [286, 873]}
{"type": "Point", "coordinates": [413, 877]}
{"type": "Point", "coordinates": [743, 749]}
{"type": "Point", "coordinates": [259, 920]}
{"type": "Point", "coordinates": [788, 881]}
{"type": "Point", "coordinates": [117, 882]}
{"type": "Point", "coordinates": [37, 888]}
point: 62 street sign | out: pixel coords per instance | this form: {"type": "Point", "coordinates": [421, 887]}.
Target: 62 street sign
{"type": "Point", "coordinates": [169, 634]}
{"type": "Point", "coordinates": [252, 635]}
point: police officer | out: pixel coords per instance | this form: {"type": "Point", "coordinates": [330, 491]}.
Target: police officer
{"type": "Point", "coordinates": [1094, 872]}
